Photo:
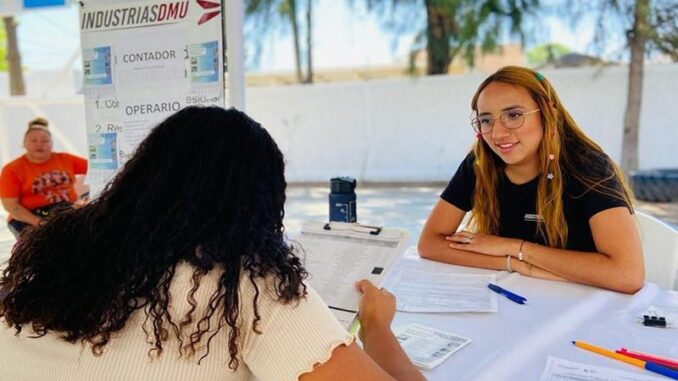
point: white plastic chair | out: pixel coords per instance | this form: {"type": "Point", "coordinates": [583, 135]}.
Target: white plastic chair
{"type": "Point", "coordinates": [660, 248]}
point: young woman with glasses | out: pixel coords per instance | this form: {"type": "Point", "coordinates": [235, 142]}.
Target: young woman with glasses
{"type": "Point", "coordinates": [544, 199]}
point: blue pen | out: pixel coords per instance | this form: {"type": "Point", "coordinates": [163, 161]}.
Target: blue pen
{"type": "Point", "coordinates": [511, 296]}
{"type": "Point", "coordinates": [661, 370]}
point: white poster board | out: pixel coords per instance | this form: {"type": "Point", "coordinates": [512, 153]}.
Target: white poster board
{"type": "Point", "coordinates": [143, 61]}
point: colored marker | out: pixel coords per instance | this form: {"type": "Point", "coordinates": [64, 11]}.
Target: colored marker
{"type": "Point", "coordinates": [664, 361]}
{"type": "Point", "coordinates": [652, 367]}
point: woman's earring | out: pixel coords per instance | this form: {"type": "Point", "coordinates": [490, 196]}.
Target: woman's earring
{"type": "Point", "coordinates": [479, 135]}
{"type": "Point", "coordinates": [550, 174]}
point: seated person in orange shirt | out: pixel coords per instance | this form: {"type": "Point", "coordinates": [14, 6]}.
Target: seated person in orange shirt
{"type": "Point", "coordinates": [39, 181]}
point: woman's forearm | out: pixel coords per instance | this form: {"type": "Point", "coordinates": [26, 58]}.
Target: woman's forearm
{"type": "Point", "coordinates": [383, 347]}
{"type": "Point", "coordinates": [528, 269]}
{"type": "Point", "coordinates": [436, 248]}
{"type": "Point", "coordinates": [594, 269]}
{"type": "Point", "coordinates": [20, 213]}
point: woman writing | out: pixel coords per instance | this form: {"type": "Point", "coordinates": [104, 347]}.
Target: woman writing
{"type": "Point", "coordinates": [545, 200]}
{"type": "Point", "coordinates": [179, 270]}
{"type": "Point", "coordinates": [40, 181]}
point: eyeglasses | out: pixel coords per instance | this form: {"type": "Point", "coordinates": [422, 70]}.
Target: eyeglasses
{"type": "Point", "coordinates": [511, 119]}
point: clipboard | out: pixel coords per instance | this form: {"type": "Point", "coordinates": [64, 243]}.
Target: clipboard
{"type": "Point", "coordinates": [360, 228]}
{"type": "Point", "coordinates": [337, 254]}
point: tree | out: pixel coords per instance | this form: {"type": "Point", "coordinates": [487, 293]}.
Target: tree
{"type": "Point", "coordinates": [456, 27]}
{"type": "Point", "coordinates": [13, 58]}
{"type": "Point", "coordinates": [269, 16]}
{"type": "Point", "coordinates": [546, 54]}
{"type": "Point", "coordinates": [637, 37]}
{"type": "Point", "coordinates": [650, 28]}
{"type": "Point", "coordinates": [309, 42]}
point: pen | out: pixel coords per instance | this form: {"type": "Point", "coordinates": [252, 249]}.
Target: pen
{"type": "Point", "coordinates": [514, 297]}
{"type": "Point", "coordinates": [664, 361]}
{"type": "Point", "coordinates": [652, 367]}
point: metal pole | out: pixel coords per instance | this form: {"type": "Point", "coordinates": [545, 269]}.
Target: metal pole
{"type": "Point", "coordinates": [233, 28]}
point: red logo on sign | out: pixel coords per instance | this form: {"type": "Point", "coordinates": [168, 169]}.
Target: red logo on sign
{"type": "Point", "coordinates": [207, 5]}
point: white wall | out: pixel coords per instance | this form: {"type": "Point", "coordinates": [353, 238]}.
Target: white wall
{"type": "Point", "coordinates": [417, 129]}
{"type": "Point", "coordinates": [44, 83]}
{"type": "Point", "coordinates": [412, 129]}
{"type": "Point", "coordinates": [67, 124]}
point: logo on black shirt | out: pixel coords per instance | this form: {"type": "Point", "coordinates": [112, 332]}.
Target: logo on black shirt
{"type": "Point", "coordinates": [533, 217]}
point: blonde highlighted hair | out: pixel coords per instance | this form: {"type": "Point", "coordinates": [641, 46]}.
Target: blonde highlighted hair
{"type": "Point", "coordinates": [573, 152]}
{"type": "Point", "coordinates": [38, 123]}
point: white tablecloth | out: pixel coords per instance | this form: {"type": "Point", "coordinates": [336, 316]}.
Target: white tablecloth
{"type": "Point", "coordinates": [514, 343]}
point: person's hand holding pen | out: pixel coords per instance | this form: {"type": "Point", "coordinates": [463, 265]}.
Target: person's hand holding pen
{"type": "Point", "coordinates": [376, 312]}
{"type": "Point", "coordinates": [377, 308]}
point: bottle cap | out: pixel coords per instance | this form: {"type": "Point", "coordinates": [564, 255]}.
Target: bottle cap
{"type": "Point", "coordinates": [342, 185]}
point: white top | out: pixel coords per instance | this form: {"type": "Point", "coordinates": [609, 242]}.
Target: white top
{"type": "Point", "coordinates": [293, 339]}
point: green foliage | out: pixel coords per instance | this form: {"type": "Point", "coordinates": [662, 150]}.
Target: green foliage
{"type": "Point", "coordinates": [456, 27]}
{"type": "Point", "coordinates": [266, 17]}
{"type": "Point", "coordinates": [267, 14]}
{"type": "Point", "coordinates": [263, 17]}
{"type": "Point", "coordinates": [3, 48]}
{"type": "Point", "coordinates": [546, 53]}
{"type": "Point", "coordinates": [614, 22]}
{"type": "Point", "coordinates": [663, 32]}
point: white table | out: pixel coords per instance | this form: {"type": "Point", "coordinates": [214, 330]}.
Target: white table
{"type": "Point", "coordinates": [514, 343]}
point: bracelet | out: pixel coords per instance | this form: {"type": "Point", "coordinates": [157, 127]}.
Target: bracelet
{"type": "Point", "coordinates": [520, 251]}
{"type": "Point", "coordinates": [508, 264]}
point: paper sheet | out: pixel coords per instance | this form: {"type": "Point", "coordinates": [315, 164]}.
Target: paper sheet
{"type": "Point", "coordinates": [420, 291]}
{"type": "Point", "coordinates": [337, 258]}
{"type": "Point", "coordinates": [563, 370]}
{"type": "Point", "coordinates": [428, 347]}
{"type": "Point", "coordinates": [150, 59]}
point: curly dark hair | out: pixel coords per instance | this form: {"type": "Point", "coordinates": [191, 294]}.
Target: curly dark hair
{"type": "Point", "coordinates": [206, 187]}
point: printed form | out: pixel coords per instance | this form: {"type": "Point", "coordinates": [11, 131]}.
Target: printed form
{"type": "Point", "coordinates": [425, 291]}
{"type": "Point", "coordinates": [428, 347]}
{"type": "Point", "coordinates": [346, 253]}
{"type": "Point", "coordinates": [563, 370]}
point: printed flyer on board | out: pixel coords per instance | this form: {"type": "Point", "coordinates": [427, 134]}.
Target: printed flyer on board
{"type": "Point", "coordinates": [143, 61]}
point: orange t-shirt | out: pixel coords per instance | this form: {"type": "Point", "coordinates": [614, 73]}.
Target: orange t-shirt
{"type": "Point", "coordinates": [38, 185]}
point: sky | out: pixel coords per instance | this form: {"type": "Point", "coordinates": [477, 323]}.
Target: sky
{"type": "Point", "coordinates": [343, 37]}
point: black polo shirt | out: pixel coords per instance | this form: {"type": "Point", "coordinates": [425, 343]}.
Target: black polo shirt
{"type": "Point", "coordinates": [517, 205]}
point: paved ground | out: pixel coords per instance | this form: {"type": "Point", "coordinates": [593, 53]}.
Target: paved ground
{"type": "Point", "coordinates": [404, 207]}
{"type": "Point", "coordinates": [665, 211]}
